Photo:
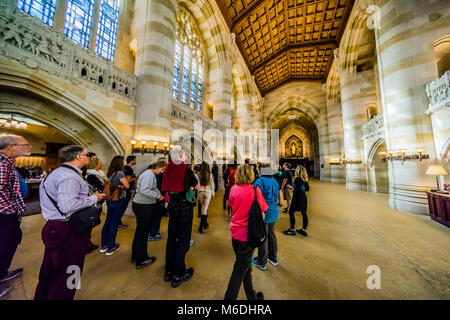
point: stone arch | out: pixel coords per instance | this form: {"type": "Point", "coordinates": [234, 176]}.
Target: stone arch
{"type": "Point", "coordinates": [377, 171]}
{"type": "Point", "coordinates": [60, 109]}
{"type": "Point", "coordinates": [445, 153]}
{"type": "Point", "coordinates": [350, 42]}
{"type": "Point", "coordinates": [373, 150]}
{"type": "Point", "coordinates": [301, 133]}
{"type": "Point", "coordinates": [334, 84]}
{"type": "Point", "coordinates": [308, 107]}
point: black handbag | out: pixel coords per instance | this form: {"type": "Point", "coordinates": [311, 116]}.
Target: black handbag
{"type": "Point", "coordinates": [82, 221]}
{"type": "Point", "coordinates": [256, 234]}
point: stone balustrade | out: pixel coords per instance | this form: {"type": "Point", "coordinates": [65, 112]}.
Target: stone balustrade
{"type": "Point", "coordinates": [28, 40]}
{"type": "Point", "coordinates": [438, 92]}
{"type": "Point", "coordinates": [183, 113]}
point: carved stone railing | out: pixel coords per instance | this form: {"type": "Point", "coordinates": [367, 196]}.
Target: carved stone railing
{"type": "Point", "coordinates": [374, 127]}
{"type": "Point", "coordinates": [438, 92]}
{"type": "Point", "coordinates": [28, 40]}
{"type": "Point", "coordinates": [183, 113]}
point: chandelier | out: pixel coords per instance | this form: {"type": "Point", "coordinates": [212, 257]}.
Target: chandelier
{"type": "Point", "coordinates": [11, 123]}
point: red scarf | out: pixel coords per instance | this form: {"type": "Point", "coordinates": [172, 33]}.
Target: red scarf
{"type": "Point", "coordinates": [173, 177]}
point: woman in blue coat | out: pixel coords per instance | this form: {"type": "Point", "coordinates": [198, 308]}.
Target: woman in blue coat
{"type": "Point", "coordinates": [269, 188]}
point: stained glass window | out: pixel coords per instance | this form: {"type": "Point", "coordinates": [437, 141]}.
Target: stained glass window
{"type": "Point", "coordinates": [79, 20]}
{"type": "Point", "coordinates": [189, 66]}
{"type": "Point", "coordinates": [200, 89]}
{"type": "Point", "coordinates": [185, 84]}
{"type": "Point", "coordinates": [176, 71]}
{"type": "Point", "coordinates": [193, 83]}
{"type": "Point", "coordinates": [105, 44]}
{"type": "Point", "coordinates": [42, 9]}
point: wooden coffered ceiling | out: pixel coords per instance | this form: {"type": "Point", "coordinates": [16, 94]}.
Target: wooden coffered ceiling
{"type": "Point", "coordinates": [285, 40]}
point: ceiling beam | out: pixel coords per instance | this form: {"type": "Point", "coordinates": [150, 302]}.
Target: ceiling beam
{"type": "Point", "coordinates": [246, 12]}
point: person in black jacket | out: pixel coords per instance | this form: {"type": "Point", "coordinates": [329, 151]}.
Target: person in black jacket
{"type": "Point", "coordinates": [299, 201]}
{"type": "Point", "coordinates": [215, 173]}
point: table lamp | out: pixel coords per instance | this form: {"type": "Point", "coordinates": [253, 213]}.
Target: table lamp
{"type": "Point", "coordinates": [436, 170]}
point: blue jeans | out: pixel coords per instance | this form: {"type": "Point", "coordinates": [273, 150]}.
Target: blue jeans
{"type": "Point", "coordinates": [115, 211]}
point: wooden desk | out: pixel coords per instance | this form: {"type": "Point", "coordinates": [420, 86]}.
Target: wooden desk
{"type": "Point", "coordinates": [439, 205]}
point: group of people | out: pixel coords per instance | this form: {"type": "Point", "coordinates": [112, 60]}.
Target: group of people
{"type": "Point", "coordinates": [164, 188]}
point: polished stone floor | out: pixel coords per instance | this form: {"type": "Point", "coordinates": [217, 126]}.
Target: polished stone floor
{"type": "Point", "coordinates": [348, 231]}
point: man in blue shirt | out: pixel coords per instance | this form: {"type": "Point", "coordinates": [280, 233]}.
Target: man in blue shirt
{"type": "Point", "coordinates": [65, 249]}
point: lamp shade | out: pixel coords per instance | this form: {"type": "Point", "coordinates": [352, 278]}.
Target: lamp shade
{"type": "Point", "coordinates": [436, 170]}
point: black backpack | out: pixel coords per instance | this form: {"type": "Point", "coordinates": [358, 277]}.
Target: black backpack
{"type": "Point", "coordinates": [256, 234]}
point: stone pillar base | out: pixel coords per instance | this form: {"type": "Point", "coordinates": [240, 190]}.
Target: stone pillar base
{"type": "Point", "coordinates": [410, 200]}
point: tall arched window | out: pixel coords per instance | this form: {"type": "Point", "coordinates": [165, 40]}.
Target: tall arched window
{"type": "Point", "coordinates": [79, 21]}
{"type": "Point", "coordinates": [189, 66]}
{"type": "Point", "coordinates": [42, 9]}
{"type": "Point", "coordinates": [105, 45]}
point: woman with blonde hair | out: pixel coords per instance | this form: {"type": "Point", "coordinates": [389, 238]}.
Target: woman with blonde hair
{"type": "Point", "coordinates": [241, 198]}
{"type": "Point", "coordinates": [299, 201]}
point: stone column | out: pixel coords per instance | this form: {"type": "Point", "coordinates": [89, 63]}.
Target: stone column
{"type": "Point", "coordinates": [406, 64]}
{"type": "Point", "coordinates": [155, 30]}
{"type": "Point", "coordinates": [335, 138]}
{"type": "Point", "coordinates": [123, 58]}
{"type": "Point", "coordinates": [324, 145]}
{"type": "Point", "coordinates": [94, 27]}
{"type": "Point", "coordinates": [60, 15]}
{"type": "Point", "coordinates": [357, 89]}
{"type": "Point", "coordinates": [221, 94]}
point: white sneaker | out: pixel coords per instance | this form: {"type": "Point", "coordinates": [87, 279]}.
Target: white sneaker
{"type": "Point", "coordinates": [191, 243]}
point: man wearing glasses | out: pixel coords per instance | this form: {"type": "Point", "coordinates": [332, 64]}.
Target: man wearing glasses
{"type": "Point", "coordinates": [12, 206]}
{"type": "Point", "coordinates": [64, 192]}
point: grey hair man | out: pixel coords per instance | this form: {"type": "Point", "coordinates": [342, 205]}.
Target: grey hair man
{"type": "Point", "coordinates": [71, 193]}
{"type": "Point", "coordinates": [12, 206]}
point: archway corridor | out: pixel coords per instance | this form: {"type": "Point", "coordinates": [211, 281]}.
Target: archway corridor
{"type": "Point", "coordinates": [348, 231]}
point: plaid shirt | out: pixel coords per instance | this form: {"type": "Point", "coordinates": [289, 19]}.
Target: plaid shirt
{"type": "Point", "coordinates": [11, 201]}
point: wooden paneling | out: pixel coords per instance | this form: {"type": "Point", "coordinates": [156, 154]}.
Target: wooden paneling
{"type": "Point", "coordinates": [286, 39]}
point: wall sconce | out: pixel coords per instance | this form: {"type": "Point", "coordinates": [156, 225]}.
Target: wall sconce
{"type": "Point", "coordinates": [133, 143]}
{"type": "Point", "coordinates": [351, 161]}
{"type": "Point", "coordinates": [334, 162]}
{"type": "Point", "coordinates": [402, 155]}
{"type": "Point", "coordinates": [153, 150]}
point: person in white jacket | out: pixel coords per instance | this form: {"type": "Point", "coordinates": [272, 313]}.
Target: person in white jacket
{"type": "Point", "coordinates": [205, 193]}
{"type": "Point", "coordinates": [144, 207]}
